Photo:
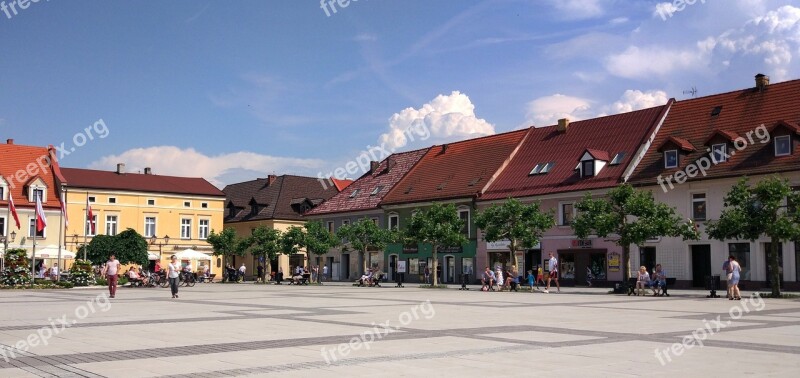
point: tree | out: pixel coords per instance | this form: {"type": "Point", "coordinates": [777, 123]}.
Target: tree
{"type": "Point", "coordinates": [318, 240]}
{"type": "Point", "coordinates": [770, 208]}
{"type": "Point", "coordinates": [128, 247]}
{"type": "Point", "coordinates": [292, 240]}
{"type": "Point", "coordinates": [364, 235]}
{"type": "Point", "coordinates": [438, 226]}
{"type": "Point", "coordinates": [264, 244]}
{"type": "Point", "coordinates": [226, 244]}
{"type": "Point", "coordinates": [522, 225]}
{"type": "Point", "coordinates": [632, 216]}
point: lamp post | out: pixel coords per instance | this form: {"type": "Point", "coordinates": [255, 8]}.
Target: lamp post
{"type": "Point", "coordinates": [6, 240]}
{"type": "Point", "coordinates": [154, 241]}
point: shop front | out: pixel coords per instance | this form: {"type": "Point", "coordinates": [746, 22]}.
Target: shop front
{"type": "Point", "coordinates": [414, 259]}
{"type": "Point", "coordinates": [585, 261]}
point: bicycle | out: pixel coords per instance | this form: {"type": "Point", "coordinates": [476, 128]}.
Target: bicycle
{"type": "Point", "coordinates": [187, 279]}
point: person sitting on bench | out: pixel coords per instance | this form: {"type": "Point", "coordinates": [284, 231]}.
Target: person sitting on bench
{"type": "Point", "coordinates": [642, 279]}
{"type": "Point", "coordinates": [134, 278]}
{"type": "Point", "coordinates": [659, 281]}
{"type": "Point", "coordinates": [487, 280]}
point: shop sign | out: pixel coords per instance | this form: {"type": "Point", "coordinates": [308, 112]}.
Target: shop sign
{"type": "Point", "coordinates": [582, 243]}
{"type": "Point", "coordinates": [401, 267]}
{"type": "Point", "coordinates": [410, 248]}
{"type": "Point", "coordinates": [502, 245]}
{"type": "Point", "coordinates": [458, 249]}
{"type": "Point", "coordinates": [613, 262]}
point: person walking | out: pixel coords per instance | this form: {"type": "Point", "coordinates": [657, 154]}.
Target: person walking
{"type": "Point", "coordinates": [427, 275]}
{"type": "Point", "coordinates": [260, 270]}
{"type": "Point", "coordinates": [110, 273]}
{"type": "Point", "coordinates": [173, 272]}
{"type": "Point", "coordinates": [242, 271]}
{"type": "Point", "coordinates": [553, 265]}
{"type": "Point", "coordinates": [726, 267]}
{"type": "Point", "coordinates": [736, 270]}
{"type": "Point", "coordinates": [325, 272]}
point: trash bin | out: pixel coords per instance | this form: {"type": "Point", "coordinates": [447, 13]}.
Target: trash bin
{"type": "Point", "coordinates": [712, 285]}
{"type": "Point", "coordinates": [620, 288]}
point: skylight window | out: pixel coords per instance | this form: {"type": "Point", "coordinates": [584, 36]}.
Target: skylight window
{"type": "Point", "coordinates": [376, 190]}
{"type": "Point", "coordinates": [547, 167]}
{"type": "Point", "coordinates": [715, 112]}
{"type": "Point", "coordinates": [355, 193]}
{"type": "Point", "coordinates": [617, 158]}
{"type": "Point", "coordinates": [536, 169]}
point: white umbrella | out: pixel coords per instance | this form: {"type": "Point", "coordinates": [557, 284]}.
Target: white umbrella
{"type": "Point", "coordinates": [191, 254]}
{"type": "Point", "coordinates": [153, 256]}
{"type": "Point", "coordinates": [51, 252]}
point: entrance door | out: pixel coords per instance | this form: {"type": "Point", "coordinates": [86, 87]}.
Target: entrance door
{"type": "Point", "coordinates": [566, 267]}
{"type": "Point", "coordinates": [647, 257]}
{"type": "Point", "coordinates": [330, 268]}
{"type": "Point", "coordinates": [450, 263]}
{"type": "Point", "coordinates": [701, 264]}
{"type": "Point", "coordinates": [532, 258]}
{"type": "Point", "coordinates": [767, 247]}
{"type": "Point", "coordinates": [392, 267]}
{"type": "Point", "coordinates": [344, 267]}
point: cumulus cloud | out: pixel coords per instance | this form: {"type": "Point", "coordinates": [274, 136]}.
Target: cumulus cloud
{"type": "Point", "coordinates": [645, 62]}
{"type": "Point", "coordinates": [219, 170]}
{"type": "Point", "coordinates": [546, 111]}
{"type": "Point", "coordinates": [446, 118]}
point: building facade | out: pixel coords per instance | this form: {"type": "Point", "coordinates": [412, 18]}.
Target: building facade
{"type": "Point", "coordinates": [172, 213]}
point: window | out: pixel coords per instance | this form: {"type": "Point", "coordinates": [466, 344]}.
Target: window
{"type": "Point", "coordinates": [783, 145]}
{"type": "Point", "coordinates": [718, 153]}
{"type": "Point", "coordinates": [715, 112]}
{"type": "Point", "coordinates": [567, 214]}
{"type": "Point", "coordinates": [376, 221]}
{"type": "Point", "coordinates": [617, 160]}
{"type": "Point", "coordinates": [345, 222]}
{"type": "Point", "coordinates": [89, 224]}
{"type": "Point", "coordinates": [354, 193]}
{"type": "Point", "coordinates": [204, 205]}
{"type": "Point", "coordinates": [536, 169]}
{"type": "Point", "coordinates": [376, 190]}
{"type": "Point", "coordinates": [547, 167]}
{"type": "Point", "coordinates": [796, 259]}
{"type": "Point", "coordinates": [151, 202]}
{"type": "Point", "coordinates": [699, 206]}
{"type": "Point", "coordinates": [112, 200]}
{"type": "Point", "coordinates": [111, 225]}
{"type": "Point", "coordinates": [202, 229]}
{"type": "Point", "coordinates": [187, 204]}
{"type": "Point", "coordinates": [2, 192]}
{"type": "Point", "coordinates": [463, 213]}
{"type": "Point", "coordinates": [330, 227]}
{"type": "Point", "coordinates": [32, 229]}
{"type": "Point", "coordinates": [394, 222]}
{"type": "Point", "coordinates": [92, 199]}
{"type": "Point", "coordinates": [149, 227]}
{"type": "Point", "coordinates": [671, 159]}
{"type": "Point", "coordinates": [587, 168]}
{"type": "Point", "coordinates": [38, 193]}
{"type": "Point", "coordinates": [3, 227]}
{"type": "Point", "coordinates": [186, 228]}
{"type": "Point", "coordinates": [742, 253]}
{"type": "Point", "coordinates": [413, 266]}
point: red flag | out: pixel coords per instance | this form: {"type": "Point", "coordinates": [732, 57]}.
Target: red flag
{"type": "Point", "coordinates": [41, 222]}
{"type": "Point", "coordinates": [64, 213]}
{"type": "Point", "coordinates": [13, 209]}
{"type": "Point", "coordinates": [90, 215]}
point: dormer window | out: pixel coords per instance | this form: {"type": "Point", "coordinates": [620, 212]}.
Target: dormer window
{"type": "Point", "coordinates": [783, 145]}
{"type": "Point", "coordinates": [587, 168]}
{"type": "Point", "coordinates": [719, 153]}
{"type": "Point", "coordinates": [671, 159]}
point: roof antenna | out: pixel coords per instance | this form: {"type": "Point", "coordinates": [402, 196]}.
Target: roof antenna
{"type": "Point", "coordinates": [692, 91]}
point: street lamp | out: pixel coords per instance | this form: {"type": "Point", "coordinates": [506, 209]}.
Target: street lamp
{"type": "Point", "coordinates": [6, 240]}
{"type": "Point", "coordinates": [154, 241]}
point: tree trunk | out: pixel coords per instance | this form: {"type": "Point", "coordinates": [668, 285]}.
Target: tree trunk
{"type": "Point", "coordinates": [363, 260]}
{"type": "Point", "coordinates": [319, 267]}
{"type": "Point", "coordinates": [774, 268]}
{"type": "Point", "coordinates": [513, 247]}
{"type": "Point", "coordinates": [435, 267]}
{"type": "Point", "coordinates": [626, 268]}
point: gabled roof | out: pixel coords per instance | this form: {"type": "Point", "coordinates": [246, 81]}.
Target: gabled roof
{"type": "Point", "coordinates": [385, 176]}
{"type": "Point", "coordinates": [139, 182]}
{"type": "Point", "coordinates": [15, 158]}
{"type": "Point", "coordinates": [456, 170]}
{"type": "Point", "coordinates": [744, 112]}
{"type": "Point", "coordinates": [791, 126]}
{"type": "Point", "coordinates": [341, 184]}
{"type": "Point", "coordinates": [681, 143]}
{"type": "Point", "coordinates": [729, 136]}
{"type": "Point", "coordinates": [277, 197]}
{"type": "Point", "coordinates": [601, 137]}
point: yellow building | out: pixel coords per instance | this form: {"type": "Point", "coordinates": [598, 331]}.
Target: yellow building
{"type": "Point", "coordinates": [173, 213]}
{"type": "Point", "coordinates": [277, 202]}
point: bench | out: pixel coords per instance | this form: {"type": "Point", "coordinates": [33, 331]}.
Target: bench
{"type": "Point", "coordinates": [208, 279]}
{"type": "Point", "coordinates": [632, 285]}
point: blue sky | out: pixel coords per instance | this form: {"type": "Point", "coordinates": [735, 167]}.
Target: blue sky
{"type": "Point", "coordinates": [232, 91]}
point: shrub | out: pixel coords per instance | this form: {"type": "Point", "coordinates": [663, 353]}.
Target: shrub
{"type": "Point", "coordinates": [65, 284]}
{"type": "Point", "coordinates": [433, 287]}
{"type": "Point", "coordinates": [123, 281]}
{"type": "Point", "coordinates": [81, 273]}
{"type": "Point", "coordinates": [18, 271]}
{"type": "Point", "coordinates": [101, 282]}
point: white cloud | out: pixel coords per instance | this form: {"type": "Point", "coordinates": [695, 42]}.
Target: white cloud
{"type": "Point", "coordinates": [618, 20]}
{"type": "Point", "coordinates": [219, 170]}
{"type": "Point", "coordinates": [365, 37]}
{"type": "Point", "coordinates": [446, 118]}
{"type": "Point", "coordinates": [546, 111]}
{"type": "Point", "coordinates": [579, 9]}
{"type": "Point", "coordinates": [643, 63]}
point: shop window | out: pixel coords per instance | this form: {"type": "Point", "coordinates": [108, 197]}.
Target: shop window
{"type": "Point", "coordinates": [567, 266]}
{"type": "Point", "coordinates": [699, 206]}
{"type": "Point", "coordinates": [598, 266]}
{"type": "Point", "coordinates": [742, 253]}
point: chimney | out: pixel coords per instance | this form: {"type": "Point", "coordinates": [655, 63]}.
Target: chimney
{"type": "Point", "coordinates": [762, 82]}
{"type": "Point", "coordinates": [120, 168]}
{"type": "Point", "coordinates": [444, 148]}
{"type": "Point", "coordinates": [563, 124]}
{"type": "Point", "coordinates": [9, 141]}
{"type": "Point", "coordinates": [373, 166]}
{"type": "Point", "coordinates": [148, 171]}
{"type": "Point", "coordinates": [271, 179]}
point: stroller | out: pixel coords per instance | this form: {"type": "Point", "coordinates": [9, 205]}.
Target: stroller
{"type": "Point", "coordinates": [232, 275]}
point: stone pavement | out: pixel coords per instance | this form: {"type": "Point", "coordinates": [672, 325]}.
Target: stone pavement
{"type": "Point", "coordinates": [221, 330]}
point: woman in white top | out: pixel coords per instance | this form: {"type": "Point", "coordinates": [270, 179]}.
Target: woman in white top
{"type": "Point", "coordinates": [173, 272]}
{"type": "Point", "coordinates": [642, 280]}
{"type": "Point", "coordinates": [500, 282]}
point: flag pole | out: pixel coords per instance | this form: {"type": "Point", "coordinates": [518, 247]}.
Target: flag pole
{"type": "Point", "coordinates": [35, 231]}
{"type": "Point", "coordinates": [85, 245]}
{"type": "Point", "coordinates": [60, 235]}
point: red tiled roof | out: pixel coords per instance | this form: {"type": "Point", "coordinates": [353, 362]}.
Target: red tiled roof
{"type": "Point", "coordinates": [617, 133]}
{"type": "Point", "coordinates": [341, 184]}
{"type": "Point", "coordinates": [456, 170]}
{"type": "Point", "coordinates": [791, 126]}
{"type": "Point", "coordinates": [386, 175]}
{"type": "Point", "coordinates": [276, 197]}
{"type": "Point", "coordinates": [681, 143]}
{"type": "Point", "coordinates": [137, 182]}
{"type": "Point", "coordinates": [15, 158]}
{"type": "Point", "coordinates": [729, 136]}
{"type": "Point", "coordinates": [742, 112]}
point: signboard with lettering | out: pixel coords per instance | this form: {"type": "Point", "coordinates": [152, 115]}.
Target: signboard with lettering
{"type": "Point", "coordinates": [582, 243]}
{"type": "Point", "coordinates": [614, 262]}
{"type": "Point", "coordinates": [502, 245]}
{"type": "Point", "coordinates": [410, 248]}
{"type": "Point", "coordinates": [401, 267]}
{"type": "Point", "coordinates": [458, 249]}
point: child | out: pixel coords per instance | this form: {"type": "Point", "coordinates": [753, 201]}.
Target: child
{"type": "Point", "coordinates": [539, 276]}
{"type": "Point", "coordinates": [531, 278]}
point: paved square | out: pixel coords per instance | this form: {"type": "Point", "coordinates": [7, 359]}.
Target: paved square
{"type": "Point", "coordinates": [221, 330]}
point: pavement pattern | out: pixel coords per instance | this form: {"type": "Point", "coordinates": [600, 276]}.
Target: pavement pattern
{"type": "Point", "coordinates": [223, 330]}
